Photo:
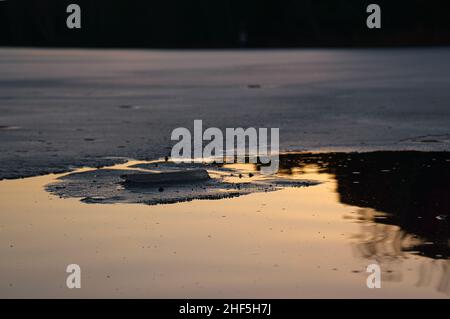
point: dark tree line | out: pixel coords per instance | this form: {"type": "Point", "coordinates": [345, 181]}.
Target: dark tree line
{"type": "Point", "coordinates": [223, 23]}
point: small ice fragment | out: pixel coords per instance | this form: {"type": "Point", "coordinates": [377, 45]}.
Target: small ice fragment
{"type": "Point", "coordinates": [176, 177]}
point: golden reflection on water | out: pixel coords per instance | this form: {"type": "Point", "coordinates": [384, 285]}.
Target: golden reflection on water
{"type": "Point", "coordinates": [293, 243]}
{"type": "Point", "coordinates": [390, 246]}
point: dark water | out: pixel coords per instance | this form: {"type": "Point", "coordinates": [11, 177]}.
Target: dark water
{"type": "Point", "coordinates": [412, 188]}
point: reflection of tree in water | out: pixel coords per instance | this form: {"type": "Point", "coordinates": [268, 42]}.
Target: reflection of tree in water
{"type": "Point", "coordinates": [412, 189]}
{"type": "Point", "coordinates": [382, 242]}
{"type": "Point", "coordinates": [430, 269]}
{"type": "Point", "coordinates": [405, 206]}
{"type": "Point", "coordinates": [389, 246]}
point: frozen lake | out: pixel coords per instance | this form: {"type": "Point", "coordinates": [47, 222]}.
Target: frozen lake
{"type": "Point", "coordinates": [66, 108]}
{"type": "Point", "coordinates": [62, 109]}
